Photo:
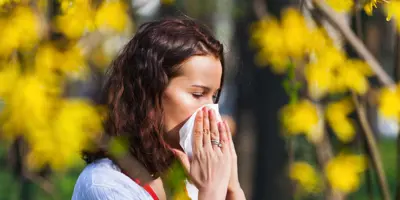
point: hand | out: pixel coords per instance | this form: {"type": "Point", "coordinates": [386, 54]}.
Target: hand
{"type": "Point", "coordinates": [210, 167]}
{"type": "Point", "coordinates": [234, 184]}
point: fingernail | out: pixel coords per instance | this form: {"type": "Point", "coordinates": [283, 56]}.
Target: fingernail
{"type": "Point", "coordinates": [220, 126]}
{"type": "Point", "coordinates": [211, 112]}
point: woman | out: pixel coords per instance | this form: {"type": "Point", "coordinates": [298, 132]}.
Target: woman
{"type": "Point", "coordinates": [166, 72]}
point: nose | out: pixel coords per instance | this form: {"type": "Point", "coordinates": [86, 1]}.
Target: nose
{"type": "Point", "coordinates": [209, 101]}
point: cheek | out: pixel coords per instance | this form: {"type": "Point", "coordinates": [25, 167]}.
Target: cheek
{"type": "Point", "coordinates": [178, 107]}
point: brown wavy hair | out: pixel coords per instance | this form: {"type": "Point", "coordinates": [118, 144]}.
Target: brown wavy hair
{"type": "Point", "coordinates": [138, 78]}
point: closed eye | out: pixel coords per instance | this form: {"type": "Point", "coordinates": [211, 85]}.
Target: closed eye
{"type": "Point", "coordinates": [197, 95]}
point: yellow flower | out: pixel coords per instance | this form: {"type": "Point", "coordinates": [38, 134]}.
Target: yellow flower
{"type": "Point", "coordinates": [331, 57]}
{"type": "Point", "coordinates": [22, 29]}
{"type": "Point", "coordinates": [302, 118]}
{"type": "Point", "coordinates": [112, 15]}
{"type": "Point", "coordinates": [351, 75]}
{"type": "Point", "coordinates": [9, 73]}
{"type": "Point", "coordinates": [266, 34]}
{"type": "Point", "coordinates": [74, 62]}
{"type": "Point", "coordinates": [305, 175]}
{"type": "Point", "coordinates": [46, 62]}
{"type": "Point", "coordinates": [343, 172]}
{"type": "Point", "coordinates": [27, 25]}
{"type": "Point", "coordinates": [75, 124]}
{"type": "Point", "coordinates": [320, 80]}
{"type": "Point", "coordinates": [77, 18]}
{"type": "Point", "coordinates": [321, 74]}
{"type": "Point", "coordinates": [371, 4]}
{"type": "Point", "coordinates": [49, 68]}
{"type": "Point", "coordinates": [353, 78]}
{"type": "Point", "coordinates": [9, 40]}
{"type": "Point", "coordinates": [318, 40]}
{"type": "Point", "coordinates": [29, 103]}
{"type": "Point", "coordinates": [278, 43]}
{"type": "Point", "coordinates": [331, 72]}
{"type": "Point", "coordinates": [389, 102]}
{"type": "Point", "coordinates": [336, 114]}
{"type": "Point", "coordinates": [279, 62]}
{"type": "Point", "coordinates": [393, 9]}
{"type": "Point", "coordinates": [341, 5]}
{"type": "Point", "coordinates": [361, 66]}
{"type": "Point", "coordinates": [4, 2]}
{"type": "Point", "coordinates": [295, 32]}
{"type": "Point", "coordinates": [42, 149]}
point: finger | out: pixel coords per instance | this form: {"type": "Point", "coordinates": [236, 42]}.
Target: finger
{"type": "Point", "coordinates": [206, 128]}
{"type": "Point", "coordinates": [198, 132]}
{"type": "Point", "coordinates": [229, 135]}
{"type": "Point", "coordinates": [213, 125]}
{"type": "Point", "coordinates": [183, 158]}
{"type": "Point", "coordinates": [223, 137]}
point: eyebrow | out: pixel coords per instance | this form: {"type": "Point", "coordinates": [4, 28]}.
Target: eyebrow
{"type": "Point", "coordinates": [205, 87]}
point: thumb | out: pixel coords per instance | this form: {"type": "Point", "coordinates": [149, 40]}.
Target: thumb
{"type": "Point", "coordinates": [183, 158]}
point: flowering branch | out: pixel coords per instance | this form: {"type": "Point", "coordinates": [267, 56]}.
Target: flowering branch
{"type": "Point", "coordinates": [357, 44]}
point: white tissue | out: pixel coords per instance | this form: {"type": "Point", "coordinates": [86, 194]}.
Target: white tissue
{"type": "Point", "coordinates": [186, 132]}
{"type": "Point", "coordinates": [185, 140]}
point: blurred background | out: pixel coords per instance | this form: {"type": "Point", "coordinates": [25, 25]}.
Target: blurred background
{"type": "Point", "coordinates": [252, 95]}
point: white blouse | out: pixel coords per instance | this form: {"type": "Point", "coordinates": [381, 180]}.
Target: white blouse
{"type": "Point", "coordinates": [104, 180]}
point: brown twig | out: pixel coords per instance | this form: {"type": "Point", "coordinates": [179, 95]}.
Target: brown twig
{"type": "Point", "coordinates": [301, 4]}
{"type": "Point", "coordinates": [373, 148]}
{"type": "Point", "coordinates": [260, 8]}
{"type": "Point", "coordinates": [324, 153]}
{"type": "Point", "coordinates": [354, 41]}
{"type": "Point", "coordinates": [43, 183]}
{"type": "Point", "coordinates": [364, 142]}
{"type": "Point", "coordinates": [397, 78]}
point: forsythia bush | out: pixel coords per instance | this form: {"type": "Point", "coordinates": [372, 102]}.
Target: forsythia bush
{"type": "Point", "coordinates": [303, 51]}
{"type": "Point", "coordinates": [35, 67]}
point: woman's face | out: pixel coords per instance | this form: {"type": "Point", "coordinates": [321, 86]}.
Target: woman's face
{"type": "Point", "coordinates": [197, 85]}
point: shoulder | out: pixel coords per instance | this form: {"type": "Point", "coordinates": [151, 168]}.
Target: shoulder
{"type": "Point", "coordinates": [103, 180]}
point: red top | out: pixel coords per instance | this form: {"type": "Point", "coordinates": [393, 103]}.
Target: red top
{"type": "Point", "coordinates": [147, 187]}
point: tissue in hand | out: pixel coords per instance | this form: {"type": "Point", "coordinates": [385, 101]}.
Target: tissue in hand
{"type": "Point", "coordinates": [185, 140]}
{"type": "Point", "coordinates": [186, 132]}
